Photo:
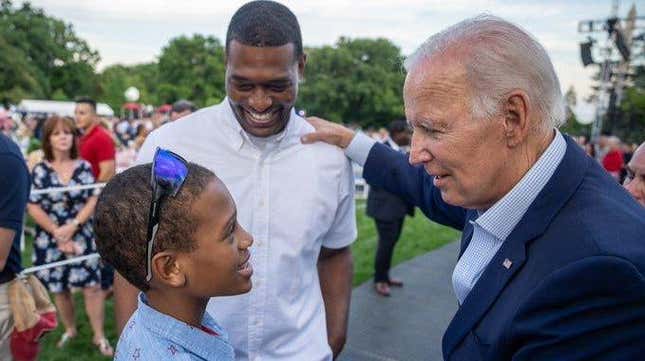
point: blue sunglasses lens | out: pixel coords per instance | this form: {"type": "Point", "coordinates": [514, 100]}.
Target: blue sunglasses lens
{"type": "Point", "coordinates": [170, 170]}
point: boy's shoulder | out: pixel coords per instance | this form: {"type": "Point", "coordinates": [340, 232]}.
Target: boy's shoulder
{"type": "Point", "coordinates": [137, 342]}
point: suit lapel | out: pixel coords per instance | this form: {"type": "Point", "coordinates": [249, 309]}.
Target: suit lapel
{"type": "Point", "coordinates": [467, 232]}
{"type": "Point", "coordinates": [512, 255]}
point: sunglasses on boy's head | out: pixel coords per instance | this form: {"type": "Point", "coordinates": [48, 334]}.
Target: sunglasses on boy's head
{"type": "Point", "coordinates": [169, 171]}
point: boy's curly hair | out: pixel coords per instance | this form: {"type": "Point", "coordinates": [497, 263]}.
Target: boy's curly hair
{"type": "Point", "coordinates": [121, 219]}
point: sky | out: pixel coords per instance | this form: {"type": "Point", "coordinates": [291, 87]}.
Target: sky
{"type": "Point", "coordinates": [130, 32]}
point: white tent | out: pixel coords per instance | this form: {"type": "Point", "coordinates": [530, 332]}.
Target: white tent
{"type": "Point", "coordinates": [59, 108]}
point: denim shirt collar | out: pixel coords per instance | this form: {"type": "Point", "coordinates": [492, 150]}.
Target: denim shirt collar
{"type": "Point", "coordinates": [190, 338]}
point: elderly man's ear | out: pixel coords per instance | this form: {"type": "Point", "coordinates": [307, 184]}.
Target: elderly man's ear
{"type": "Point", "coordinates": [516, 118]}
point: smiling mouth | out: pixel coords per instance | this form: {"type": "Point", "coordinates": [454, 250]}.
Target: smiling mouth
{"type": "Point", "coordinates": [440, 180]}
{"type": "Point", "coordinates": [245, 269]}
{"type": "Point", "coordinates": [260, 118]}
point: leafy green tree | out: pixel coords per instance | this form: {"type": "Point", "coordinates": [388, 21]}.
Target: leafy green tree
{"type": "Point", "coordinates": [44, 54]}
{"type": "Point", "coordinates": [192, 68]}
{"type": "Point", "coordinates": [629, 124]}
{"type": "Point", "coordinates": [17, 80]}
{"type": "Point", "coordinates": [356, 81]}
{"type": "Point", "coordinates": [115, 79]}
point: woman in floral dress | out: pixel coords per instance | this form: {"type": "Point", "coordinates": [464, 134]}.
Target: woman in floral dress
{"type": "Point", "coordinates": [64, 229]}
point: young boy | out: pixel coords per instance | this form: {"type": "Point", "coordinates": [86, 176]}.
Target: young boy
{"type": "Point", "coordinates": [199, 251]}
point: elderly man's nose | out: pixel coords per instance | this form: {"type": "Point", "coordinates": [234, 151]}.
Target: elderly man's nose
{"type": "Point", "coordinates": [418, 153]}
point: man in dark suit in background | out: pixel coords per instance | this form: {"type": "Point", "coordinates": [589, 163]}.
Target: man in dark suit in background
{"type": "Point", "coordinates": [552, 259]}
{"type": "Point", "coordinates": [388, 212]}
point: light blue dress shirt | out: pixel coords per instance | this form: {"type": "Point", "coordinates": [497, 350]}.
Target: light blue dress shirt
{"type": "Point", "coordinates": [493, 226]}
{"type": "Point", "coordinates": [151, 335]}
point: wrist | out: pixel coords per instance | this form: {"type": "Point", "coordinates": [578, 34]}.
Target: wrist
{"type": "Point", "coordinates": [346, 138]}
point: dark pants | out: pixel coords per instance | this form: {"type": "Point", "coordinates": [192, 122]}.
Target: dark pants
{"type": "Point", "coordinates": [388, 234]}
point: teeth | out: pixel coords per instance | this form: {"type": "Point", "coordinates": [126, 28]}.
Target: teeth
{"type": "Point", "coordinates": [259, 117]}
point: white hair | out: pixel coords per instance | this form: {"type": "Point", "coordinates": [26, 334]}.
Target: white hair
{"type": "Point", "coordinates": [613, 141]}
{"type": "Point", "coordinates": [499, 57]}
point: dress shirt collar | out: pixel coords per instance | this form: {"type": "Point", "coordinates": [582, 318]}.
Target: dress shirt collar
{"type": "Point", "coordinates": [190, 338]}
{"type": "Point", "coordinates": [500, 219]}
{"type": "Point", "coordinates": [392, 144]}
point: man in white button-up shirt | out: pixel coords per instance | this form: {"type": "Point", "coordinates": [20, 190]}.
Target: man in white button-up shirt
{"type": "Point", "coordinates": [296, 200]}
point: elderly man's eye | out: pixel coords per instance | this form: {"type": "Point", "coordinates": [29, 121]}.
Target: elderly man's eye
{"type": "Point", "coordinates": [424, 128]}
{"type": "Point", "coordinates": [432, 131]}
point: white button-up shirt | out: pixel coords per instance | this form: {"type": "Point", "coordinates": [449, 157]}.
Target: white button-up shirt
{"type": "Point", "coordinates": [293, 199]}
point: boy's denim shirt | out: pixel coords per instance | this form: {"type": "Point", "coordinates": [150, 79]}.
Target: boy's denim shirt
{"type": "Point", "coordinates": [152, 335]}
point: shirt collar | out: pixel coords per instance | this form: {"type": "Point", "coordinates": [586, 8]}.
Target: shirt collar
{"type": "Point", "coordinates": [190, 338]}
{"type": "Point", "coordinates": [392, 144]}
{"type": "Point", "coordinates": [238, 137]}
{"type": "Point", "coordinates": [500, 219]}
{"type": "Point", "coordinates": [93, 129]}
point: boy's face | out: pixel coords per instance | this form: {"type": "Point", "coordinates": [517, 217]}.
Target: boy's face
{"type": "Point", "coordinates": [219, 266]}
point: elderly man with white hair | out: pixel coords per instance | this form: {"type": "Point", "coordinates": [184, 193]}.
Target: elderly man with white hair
{"type": "Point", "coordinates": [552, 261]}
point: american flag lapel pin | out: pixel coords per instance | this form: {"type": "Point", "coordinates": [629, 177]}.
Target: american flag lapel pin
{"type": "Point", "coordinates": [507, 263]}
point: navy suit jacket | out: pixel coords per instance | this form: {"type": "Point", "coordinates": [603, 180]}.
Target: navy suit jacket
{"type": "Point", "coordinates": [385, 206]}
{"type": "Point", "coordinates": [575, 288]}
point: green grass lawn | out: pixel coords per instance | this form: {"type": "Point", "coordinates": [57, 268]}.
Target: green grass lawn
{"type": "Point", "coordinates": [419, 236]}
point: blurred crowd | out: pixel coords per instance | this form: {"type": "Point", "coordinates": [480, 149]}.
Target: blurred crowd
{"type": "Point", "coordinates": [127, 132]}
{"type": "Point", "coordinates": [611, 152]}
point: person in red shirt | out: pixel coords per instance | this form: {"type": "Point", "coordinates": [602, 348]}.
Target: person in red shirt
{"type": "Point", "coordinates": [96, 145]}
{"type": "Point", "coordinates": [613, 162]}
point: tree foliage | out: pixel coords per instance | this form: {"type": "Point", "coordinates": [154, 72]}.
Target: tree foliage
{"type": "Point", "coordinates": [192, 68]}
{"type": "Point", "coordinates": [356, 81]}
{"type": "Point", "coordinates": [41, 56]}
{"type": "Point", "coordinates": [629, 122]}
{"type": "Point", "coordinates": [115, 79]}
{"type": "Point", "coordinates": [626, 119]}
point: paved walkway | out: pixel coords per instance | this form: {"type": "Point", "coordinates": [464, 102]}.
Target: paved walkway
{"type": "Point", "coordinates": [407, 326]}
